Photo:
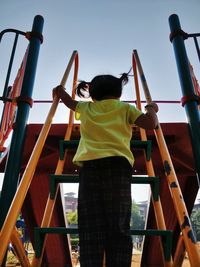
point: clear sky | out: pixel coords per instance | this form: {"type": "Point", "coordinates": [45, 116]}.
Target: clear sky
{"type": "Point", "coordinates": [104, 33]}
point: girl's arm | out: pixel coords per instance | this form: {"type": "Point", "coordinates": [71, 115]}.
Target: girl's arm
{"type": "Point", "coordinates": [148, 120]}
{"type": "Point", "coordinates": [65, 97]}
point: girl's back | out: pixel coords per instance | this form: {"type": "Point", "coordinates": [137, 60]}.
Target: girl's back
{"type": "Point", "coordinates": [105, 129]}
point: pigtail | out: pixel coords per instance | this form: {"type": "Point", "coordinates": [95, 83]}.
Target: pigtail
{"type": "Point", "coordinates": [82, 88]}
{"type": "Point", "coordinates": [124, 77]}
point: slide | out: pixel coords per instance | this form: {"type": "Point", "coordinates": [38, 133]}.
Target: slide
{"type": "Point", "coordinates": [57, 251]}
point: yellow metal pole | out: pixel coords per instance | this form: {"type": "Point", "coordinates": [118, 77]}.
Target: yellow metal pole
{"type": "Point", "coordinates": [18, 200]}
{"type": "Point", "coordinates": [180, 252]}
{"type": "Point", "coordinates": [160, 221]}
{"type": "Point", "coordinates": [19, 249]}
{"type": "Point", "coordinates": [174, 187]}
{"type": "Point", "coordinates": [59, 169]}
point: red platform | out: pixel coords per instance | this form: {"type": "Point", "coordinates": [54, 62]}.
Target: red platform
{"type": "Point", "coordinates": [57, 252]}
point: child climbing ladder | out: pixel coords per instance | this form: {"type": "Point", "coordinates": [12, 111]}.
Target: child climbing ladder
{"type": "Point", "coordinates": [106, 161]}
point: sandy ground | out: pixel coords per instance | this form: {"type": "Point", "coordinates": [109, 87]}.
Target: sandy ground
{"type": "Point", "coordinates": [13, 262]}
{"type": "Point", "coordinates": [136, 259]}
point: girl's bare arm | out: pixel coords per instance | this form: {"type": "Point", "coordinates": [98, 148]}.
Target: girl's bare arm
{"type": "Point", "coordinates": [148, 120]}
{"type": "Point", "coordinates": [65, 97]}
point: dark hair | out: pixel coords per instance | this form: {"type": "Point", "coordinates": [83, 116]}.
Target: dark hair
{"type": "Point", "coordinates": [102, 86]}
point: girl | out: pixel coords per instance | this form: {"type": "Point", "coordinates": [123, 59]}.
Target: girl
{"type": "Point", "coordinates": [106, 161]}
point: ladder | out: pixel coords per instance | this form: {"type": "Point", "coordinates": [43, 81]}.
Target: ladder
{"type": "Point", "coordinates": [186, 238]}
{"type": "Point", "coordinates": [165, 236]}
{"type": "Point", "coordinates": [41, 232]}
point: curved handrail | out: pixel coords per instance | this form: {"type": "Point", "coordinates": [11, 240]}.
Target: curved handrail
{"type": "Point", "coordinates": [18, 200]}
{"type": "Point", "coordinates": [158, 211]}
{"type": "Point", "coordinates": [179, 205]}
{"type": "Point", "coordinates": [11, 30]}
{"type": "Point", "coordinates": [10, 106]}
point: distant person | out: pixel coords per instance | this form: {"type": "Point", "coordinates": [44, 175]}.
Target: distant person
{"type": "Point", "coordinates": [137, 241]}
{"type": "Point", "coordinates": [106, 161]}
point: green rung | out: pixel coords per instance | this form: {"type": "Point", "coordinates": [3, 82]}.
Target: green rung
{"type": "Point", "coordinates": [74, 178]}
{"type": "Point", "coordinates": [146, 145]}
{"type": "Point", "coordinates": [62, 178]}
{"type": "Point", "coordinates": [166, 237]}
{"type": "Point", "coordinates": [137, 144]}
{"type": "Point", "coordinates": [154, 182]}
{"type": "Point", "coordinates": [39, 236]}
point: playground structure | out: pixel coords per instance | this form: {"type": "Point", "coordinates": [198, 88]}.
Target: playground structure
{"type": "Point", "coordinates": [168, 228]}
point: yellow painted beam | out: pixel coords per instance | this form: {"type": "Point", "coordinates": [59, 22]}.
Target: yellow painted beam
{"type": "Point", "coordinates": [174, 187]}
{"type": "Point", "coordinates": [19, 249]}
{"type": "Point", "coordinates": [159, 216]}
{"type": "Point", "coordinates": [18, 200]}
{"type": "Point", "coordinates": [59, 169]}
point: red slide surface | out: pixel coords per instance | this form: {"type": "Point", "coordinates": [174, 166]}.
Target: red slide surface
{"type": "Point", "coordinates": [57, 251]}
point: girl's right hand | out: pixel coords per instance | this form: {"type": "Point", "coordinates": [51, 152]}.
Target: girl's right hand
{"type": "Point", "coordinates": [57, 91]}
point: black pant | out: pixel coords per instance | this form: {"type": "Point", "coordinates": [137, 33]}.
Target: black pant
{"type": "Point", "coordinates": [104, 211]}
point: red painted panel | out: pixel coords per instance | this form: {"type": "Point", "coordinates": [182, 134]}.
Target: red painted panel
{"type": "Point", "coordinates": [178, 142]}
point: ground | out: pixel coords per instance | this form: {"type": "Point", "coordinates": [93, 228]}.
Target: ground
{"type": "Point", "coordinates": [12, 262]}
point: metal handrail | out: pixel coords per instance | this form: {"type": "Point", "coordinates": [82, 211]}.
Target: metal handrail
{"type": "Point", "coordinates": [18, 200]}
{"type": "Point", "coordinates": [158, 211]}
{"type": "Point", "coordinates": [179, 205]}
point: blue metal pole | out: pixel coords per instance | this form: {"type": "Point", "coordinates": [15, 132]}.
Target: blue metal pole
{"type": "Point", "coordinates": [191, 105]}
{"type": "Point", "coordinates": [13, 164]}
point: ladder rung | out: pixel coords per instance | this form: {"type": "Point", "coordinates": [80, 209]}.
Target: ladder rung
{"type": "Point", "coordinates": [39, 236]}
{"type": "Point", "coordinates": [136, 144]}
{"type": "Point", "coordinates": [63, 178]}
{"type": "Point", "coordinates": [166, 237]}
{"type": "Point", "coordinates": [71, 178]}
{"type": "Point", "coordinates": [139, 144]}
{"type": "Point", "coordinates": [154, 182]}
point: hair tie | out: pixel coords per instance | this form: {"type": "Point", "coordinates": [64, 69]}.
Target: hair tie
{"type": "Point", "coordinates": [83, 87]}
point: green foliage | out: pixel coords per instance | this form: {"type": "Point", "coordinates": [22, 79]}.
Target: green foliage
{"type": "Point", "coordinates": [72, 218]}
{"type": "Point", "coordinates": [74, 242]}
{"type": "Point", "coordinates": [137, 221]}
{"type": "Point", "coordinates": [195, 219]}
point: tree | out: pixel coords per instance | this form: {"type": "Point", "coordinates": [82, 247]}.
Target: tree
{"type": "Point", "coordinates": [137, 221]}
{"type": "Point", "coordinates": [72, 217]}
{"type": "Point", "coordinates": [195, 219]}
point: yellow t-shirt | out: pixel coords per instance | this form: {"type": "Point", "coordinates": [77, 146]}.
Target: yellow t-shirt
{"type": "Point", "coordinates": [105, 129]}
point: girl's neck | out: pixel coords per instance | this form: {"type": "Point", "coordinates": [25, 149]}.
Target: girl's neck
{"type": "Point", "coordinates": [111, 97]}
{"type": "Point", "coordinates": [107, 97]}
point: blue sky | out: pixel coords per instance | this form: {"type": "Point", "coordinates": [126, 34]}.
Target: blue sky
{"type": "Point", "coordinates": [104, 33]}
